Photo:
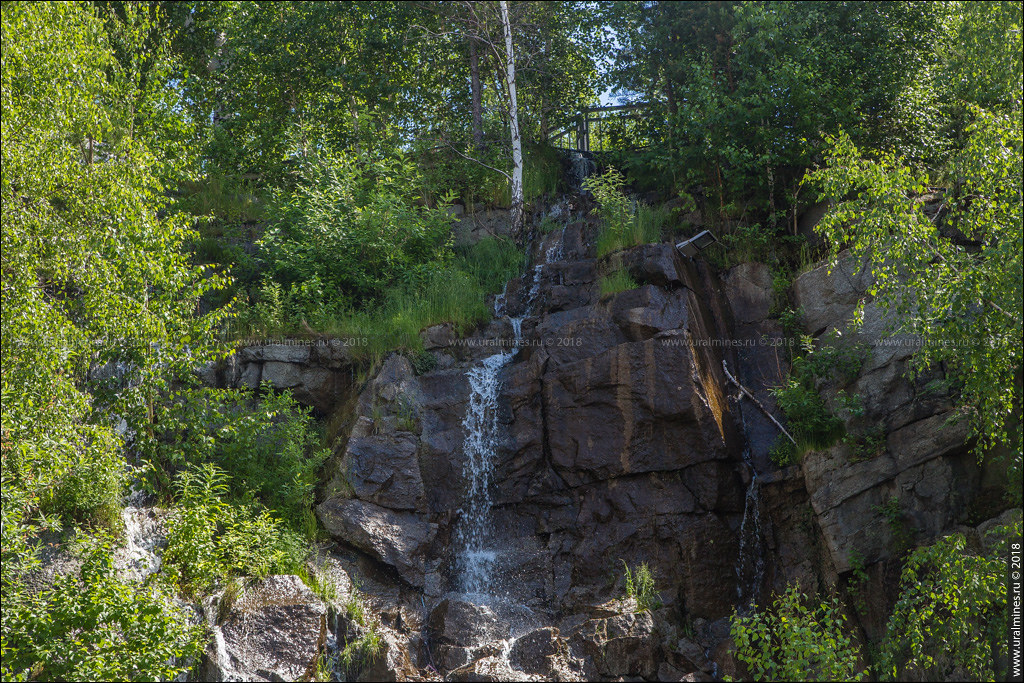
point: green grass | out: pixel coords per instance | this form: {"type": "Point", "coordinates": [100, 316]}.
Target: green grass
{"type": "Point", "coordinates": [644, 226]}
{"type": "Point", "coordinates": [492, 261]}
{"type": "Point", "coordinates": [618, 281]}
{"type": "Point", "coordinates": [640, 587]}
{"type": "Point", "coordinates": [542, 172]}
{"type": "Point", "coordinates": [457, 295]}
{"type": "Point", "coordinates": [548, 225]}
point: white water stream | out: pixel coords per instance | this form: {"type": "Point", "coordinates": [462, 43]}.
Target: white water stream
{"type": "Point", "coordinates": [475, 538]}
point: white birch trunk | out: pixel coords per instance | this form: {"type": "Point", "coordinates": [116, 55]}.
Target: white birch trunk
{"type": "Point", "coordinates": [513, 124]}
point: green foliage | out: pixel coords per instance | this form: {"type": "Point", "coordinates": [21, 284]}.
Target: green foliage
{"type": "Point", "coordinates": [972, 322]}
{"type": "Point", "coordinates": [834, 358]}
{"type": "Point", "coordinates": [266, 441]}
{"type": "Point", "coordinates": [810, 421]}
{"type": "Point", "coordinates": [224, 199]}
{"type": "Point", "coordinates": [492, 262]}
{"type": "Point", "coordinates": [951, 617]}
{"type": "Point", "coordinates": [423, 362]}
{"type": "Point", "coordinates": [625, 222]}
{"type": "Point", "coordinates": [351, 229]}
{"type": "Point", "coordinates": [640, 587]}
{"type": "Point", "coordinates": [210, 540]}
{"type": "Point", "coordinates": [100, 272]}
{"type": "Point", "coordinates": [618, 281]}
{"type": "Point", "coordinates": [360, 651]}
{"type": "Point", "coordinates": [867, 445]}
{"type": "Point", "coordinates": [902, 535]}
{"type": "Point", "coordinates": [741, 88]}
{"type": "Point", "coordinates": [453, 294]}
{"type": "Point", "coordinates": [835, 361]}
{"type": "Point", "coordinates": [91, 625]}
{"type": "Point", "coordinates": [448, 173]}
{"type": "Point", "coordinates": [796, 642]}
{"type": "Point", "coordinates": [405, 415]}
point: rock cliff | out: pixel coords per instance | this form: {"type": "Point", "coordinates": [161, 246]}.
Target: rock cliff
{"type": "Point", "coordinates": [615, 439]}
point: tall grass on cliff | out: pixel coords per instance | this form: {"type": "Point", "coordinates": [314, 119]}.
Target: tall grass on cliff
{"type": "Point", "coordinates": [624, 222]}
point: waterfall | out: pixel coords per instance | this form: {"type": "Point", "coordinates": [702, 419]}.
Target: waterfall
{"type": "Point", "coordinates": [481, 426]}
{"type": "Point", "coordinates": [750, 564]}
{"type": "Point", "coordinates": [581, 166]}
{"type": "Point", "coordinates": [475, 534]}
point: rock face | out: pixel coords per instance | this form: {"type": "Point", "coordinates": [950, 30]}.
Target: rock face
{"type": "Point", "coordinates": [908, 477]}
{"type": "Point", "coordinates": [618, 440]}
{"type": "Point", "coordinates": [274, 630]}
{"type": "Point", "coordinates": [471, 227]}
{"type": "Point", "coordinates": [319, 373]}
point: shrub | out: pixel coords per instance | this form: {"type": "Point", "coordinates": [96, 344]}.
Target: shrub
{"type": "Point", "coordinates": [266, 441]}
{"type": "Point", "coordinates": [92, 626]}
{"type": "Point", "coordinates": [625, 222]}
{"type": "Point", "coordinates": [354, 224]}
{"type": "Point", "coordinates": [210, 540]}
{"type": "Point", "coordinates": [810, 421]}
{"type": "Point", "coordinates": [794, 642]}
{"type": "Point", "coordinates": [950, 620]}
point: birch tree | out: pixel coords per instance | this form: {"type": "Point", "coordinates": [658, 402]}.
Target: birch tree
{"type": "Point", "coordinates": [513, 122]}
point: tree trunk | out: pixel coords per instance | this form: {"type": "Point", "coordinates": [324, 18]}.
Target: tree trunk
{"type": "Point", "coordinates": [513, 124]}
{"type": "Point", "coordinates": [475, 93]}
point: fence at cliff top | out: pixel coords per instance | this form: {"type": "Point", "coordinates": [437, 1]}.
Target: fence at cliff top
{"type": "Point", "coordinates": [603, 129]}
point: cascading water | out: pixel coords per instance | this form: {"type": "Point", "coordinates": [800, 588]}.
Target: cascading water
{"type": "Point", "coordinates": [750, 565]}
{"type": "Point", "coordinates": [475, 535]}
{"type": "Point", "coordinates": [580, 167]}
{"type": "Point", "coordinates": [481, 425]}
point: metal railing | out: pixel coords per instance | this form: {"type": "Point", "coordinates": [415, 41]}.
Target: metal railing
{"type": "Point", "coordinates": [589, 129]}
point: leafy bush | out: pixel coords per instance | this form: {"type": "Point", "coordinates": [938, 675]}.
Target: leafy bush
{"type": "Point", "coordinates": [950, 620]}
{"type": "Point", "coordinates": [834, 358]}
{"type": "Point", "coordinates": [210, 539]}
{"type": "Point", "coordinates": [810, 421]}
{"type": "Point", "coordinates": [91, 625]}
{"type": "Point", "coordinates": [640, 587]}
{"type": "Point", "coordinates": [354, 225]}
{"type": "Point", "coordinates": [266, 441]}
{"type": "Point", "coordinates": [794, 642]}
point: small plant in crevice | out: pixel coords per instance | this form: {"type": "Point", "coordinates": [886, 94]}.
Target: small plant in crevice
{"type": "Point", "coordinates": [548, 225]}
{"type": "Point", "coordinates": [640, 587]}
{"type": "Point", "coordinates": [377, 418]}
{"type": "Point", "coordinates": [848, 406]}
{"type": "Point", "coordinates": [901, 534]}
{"type": "Point", "coordinates": [325, 666]}
{"type": "Point", "coordinates": [791, 321]}
{"type": "Point", "coordinates": [866, 445]}
{"type": "Point", "coordinates": [422, 362]}
{"type": "Point", "coordinates": [617, 281]}
{"type": "Point", "coordinates": [359, 652]}
{"type": "Point", "coordinates": [405, 415]}
{"type": "Point", "coordinates": [858, 581]}
{"type": "Point", "coordinates": [781, 282]}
